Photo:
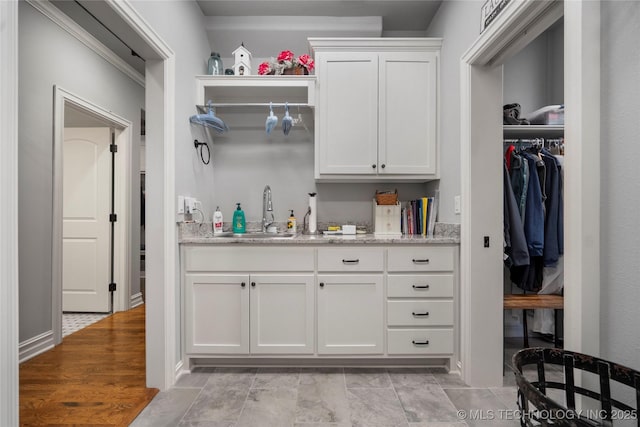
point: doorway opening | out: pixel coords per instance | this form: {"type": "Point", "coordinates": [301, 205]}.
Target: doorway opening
{"type": "Point", "coordinates": [482, 190]}
{"type": "Point", "coordinates": [90, 215]}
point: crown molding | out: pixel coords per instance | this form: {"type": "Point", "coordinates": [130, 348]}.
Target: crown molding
{"type": "Point", "coordinates": [70, 26]}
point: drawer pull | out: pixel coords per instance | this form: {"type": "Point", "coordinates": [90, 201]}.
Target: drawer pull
{"type": "Point", "coordinates": [426, 313]}
{"type": "Point", "coordinates": [350, 261]}
{"type": "Point", "coordinates": [420, 286]}
{"type": "Point", "coordinates": [425, 342]}
{"type": "Point", "coordinates": [243, 284]}
{"type": "Point", "coordinates": [420, 261]}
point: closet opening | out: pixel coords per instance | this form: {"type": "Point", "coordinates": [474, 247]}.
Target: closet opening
{"type": "Point", "coordinates": [533, 147]}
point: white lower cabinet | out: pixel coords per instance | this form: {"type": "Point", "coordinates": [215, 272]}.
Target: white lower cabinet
{"type": "Point", "coordinates": [242, 314]}
{"type": "Point", "coordinates": [420, 301]}
{"type": "Point", "coordinates": [217, 313]}
{"type": "Point", "coordinates": [320, 301]}
{"type": "Point", "coordinates": [281, 314]}
{"type": "Point", "coordinates": [350, 314]}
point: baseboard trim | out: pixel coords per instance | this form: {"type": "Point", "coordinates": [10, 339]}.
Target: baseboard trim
{"type": "Point", "coordinates": [136, 300]}
{"type": "Point", "coordinates": [35, 346]}
{"type": "Point", "coordinates": [179, 371]}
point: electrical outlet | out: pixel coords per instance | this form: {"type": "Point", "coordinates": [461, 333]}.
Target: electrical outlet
{"type": "Point", "coordinates": [190, 204]}
{"type": "Point", "coordinates": [456, 205]}
{"type": "Point", "coordinates": [180, 205]}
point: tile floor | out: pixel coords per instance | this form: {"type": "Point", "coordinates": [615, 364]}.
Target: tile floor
{"type": "Point", "coordinates": [323, 397]}
{"type": "Point", "coordinates": [72, 322]}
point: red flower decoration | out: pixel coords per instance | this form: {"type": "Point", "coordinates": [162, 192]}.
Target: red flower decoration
{"type": "Point", "coordinates": [285, 55]}
{"type": "Point", "coordinates": [306, 61]}
{"type": "Point", "coordinates": [264, 68]}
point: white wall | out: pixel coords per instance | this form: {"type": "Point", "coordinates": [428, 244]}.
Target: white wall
{"type": "Point", "coordinates": [620, 187]}
{"type": "Point", "coordinates": [534, 77]}
{"type": "Point", "coordinates": [181, 25]}
{"type": "Point", "coordinates": [458, 23]}
{"type": "Point", "coordinates": [49, 56]}
{"type": "Point", "coordinates": [246, 159]}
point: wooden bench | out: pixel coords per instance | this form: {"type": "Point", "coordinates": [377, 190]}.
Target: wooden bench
{"type": "Point", "coordinates": [530, 302]}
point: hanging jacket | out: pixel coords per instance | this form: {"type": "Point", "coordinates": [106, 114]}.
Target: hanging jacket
{"type": "Point", "coordinates": [519, 172]}
{"type": "Point", "coordinates": [515, 242]}
{"type": "Point", "coordinates": [552, 221]}
{"type": "Point", "coordinates": [534, 210]}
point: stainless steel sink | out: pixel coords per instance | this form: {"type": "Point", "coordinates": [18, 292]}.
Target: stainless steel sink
{"type": "Point", "coordinates": [254, 235]}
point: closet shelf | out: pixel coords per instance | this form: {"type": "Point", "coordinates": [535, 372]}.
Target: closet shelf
{"type": "Point", "coordinates": [533, 131]}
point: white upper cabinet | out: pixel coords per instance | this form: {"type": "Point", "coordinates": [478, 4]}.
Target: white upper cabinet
{"type": "Point", "coordinates": [377, 109]}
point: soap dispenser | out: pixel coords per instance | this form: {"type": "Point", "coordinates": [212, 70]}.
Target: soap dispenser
{"type": "Point", "coordinates": [239, 224]}
{"type": "Point", "coordinates": [217, 221]}
{"type": "Point", "coordinates": [291, 223]}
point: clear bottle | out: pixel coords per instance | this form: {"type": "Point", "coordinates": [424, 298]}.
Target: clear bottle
{"type": "Point", "coordinates": [291, 224]}
{"type": "Point", "coordinates": [214, 65]}
{"type": "Point", "coordinates": [217, 221]}
{"type": "Point", "coordinates": [239, 224]}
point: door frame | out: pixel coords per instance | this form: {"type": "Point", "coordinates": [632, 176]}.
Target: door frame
{"type": "Point", "coordinates": [123, 129]}
{"type": "Point", "coordinates": [481, 177]}
{"type": "Point", "coordinates": [9, 408]}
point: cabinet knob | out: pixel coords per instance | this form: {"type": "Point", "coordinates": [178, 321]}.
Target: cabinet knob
{"type": "Point", "coordinates": [322, 284]}
{"type": "Point", "coordinates": [373, 166]}
{"type": "Point", "coordinates": [253, 284]}
{"type": "Point", "coordinates": [383, 166]}
{"type": "Point", "coordinates": [243, 284]}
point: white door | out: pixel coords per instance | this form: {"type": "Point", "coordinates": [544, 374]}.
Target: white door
{"type": "Point", "coordinates": [85, 224]}
{"type": "Point", "coordinates": [350, 314]}
{"type": "Point", "coordinates": [407, 138]}
{"type": "Point", "coordinates": [348, 115]}
{"type": "Point", "coordinates": [217, 313]}
{"type": "Point", "coordinates": [282, 314]}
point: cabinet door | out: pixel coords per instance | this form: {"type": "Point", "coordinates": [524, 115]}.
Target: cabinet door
{"type": "Point", "coordinates": [282, 314]}
{"type": "Point", "coordinates": [350, 314]}
{"type": "Point", "coordinates": [347, 120]}
{"type": "Point", "coordinates": [407, 140]}
{"type": "Point", "coordinates": [217, 313]}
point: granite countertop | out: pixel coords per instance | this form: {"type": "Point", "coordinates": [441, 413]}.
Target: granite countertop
{"type": "Point", "coordinates": [192, 233]}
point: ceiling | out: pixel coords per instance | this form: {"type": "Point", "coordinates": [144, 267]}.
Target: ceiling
{"type": "Point", "coordinates": [397, 15]}
{"type": "Point", "coordinates": [231, 22]}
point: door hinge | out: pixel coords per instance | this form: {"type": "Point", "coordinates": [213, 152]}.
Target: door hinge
{"type": "Point", "coordinates": [112, 287]}
{"type": "Point", "coordinates": [113, 148]}
{"type": "Point", "coordinates": [113, 217]}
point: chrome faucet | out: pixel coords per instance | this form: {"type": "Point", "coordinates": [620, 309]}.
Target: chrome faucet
{"type": "Point", "coordinates": [267, 209]}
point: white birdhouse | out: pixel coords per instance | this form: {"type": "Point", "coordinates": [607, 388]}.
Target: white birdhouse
{"type": "Point", "coordinates": [242, 58]}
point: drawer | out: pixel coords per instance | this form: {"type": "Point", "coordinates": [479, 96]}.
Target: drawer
{"type": "Point", "coordinates": [420, 313]}
{"type": "Point", "coordinates": [420, 285]}
{"type": "Point", "coordinates": [422, 258]}
{"type": "Point", "coordinates": [420, 341]}
{"type": "Point", "coordinates": [248, 258]}
{"type": "Point", "coordinates": [350, 259]}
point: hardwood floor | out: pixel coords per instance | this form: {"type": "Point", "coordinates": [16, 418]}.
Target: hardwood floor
{"type": "Point", "coordinates": [95, 377]}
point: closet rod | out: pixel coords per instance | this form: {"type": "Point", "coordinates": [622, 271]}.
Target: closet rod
{"type": "Point", "coordinates": [534, 141]}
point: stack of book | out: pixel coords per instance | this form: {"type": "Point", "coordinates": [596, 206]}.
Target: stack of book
{"type": "Point", "coordinates": [419, 216]}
